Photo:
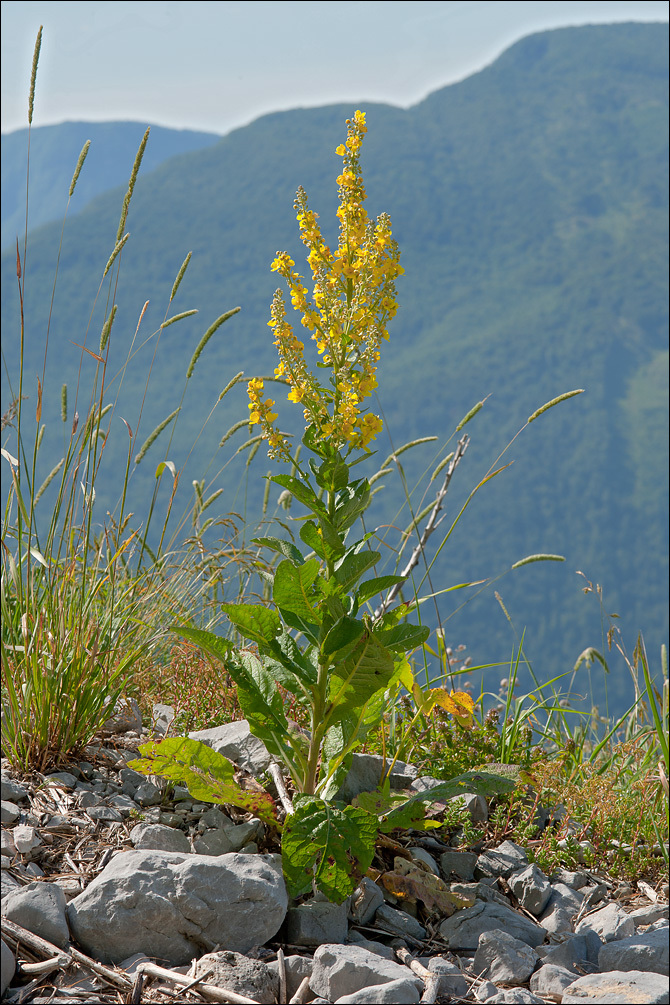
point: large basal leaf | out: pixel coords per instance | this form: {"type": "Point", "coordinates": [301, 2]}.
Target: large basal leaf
{"type": "Point", "coordinates": [209, 776]}
{"type": "Point", "coordinates": [481, 783]}
{"type": "Point", "coordinates": [367, 669]}
{"type": "Point", "coordinates": [294, 588]}
{"type": "Point", "coordinates": [410, 882]}
{"type": "Point", "coordinates": [352, 567]}
{"type": "Point", "coordinates": [255, 622]}
{"type": "Point", "coordinates": [331, 844]}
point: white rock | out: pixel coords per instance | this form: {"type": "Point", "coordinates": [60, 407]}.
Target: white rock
{"type": "Point", "coordinates": [610, 923]}
{"type": "Point", "coordinates": [399, 992]}
{"type": "Point", "coordinates": [175, 906]}
{"type": "Point", "coordinates": [343, 970]}
{"type": "Point", "coordinates": [39, 907]}
{"type": "Point", "coordinates": [502, 958]}
{"type": "Point", "coordinates": [617, 986]}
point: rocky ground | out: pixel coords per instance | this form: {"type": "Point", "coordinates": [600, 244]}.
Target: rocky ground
{"type": "Point", "coordinates": [113, 892]}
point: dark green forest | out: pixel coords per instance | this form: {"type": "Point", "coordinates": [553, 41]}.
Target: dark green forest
{"type": "Point", "coordinates": [530, 204]}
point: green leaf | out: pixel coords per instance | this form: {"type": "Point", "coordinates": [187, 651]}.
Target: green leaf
{"type": "Point", "coordinates": [286, 548]}
{"type": "Point", "coordinates": [301, 491]}
{"type": "Point", "coordinates": [345, 633]}
{"type": "Point", "coordinates": [403, 637]}
{"type": "Point", "coordinates": [332, 474]}
{"type": "Point", "coordinates": [331, 844]}
{"type": "Point", "coordinates": [353, 565]}
{"type": "Point", "coordinates": [261, 702]}
{"type": "Point", "coordinates": [332, 541]}
{"type": "Point", "coordinates": [285, 651]}
{"type": "Point", "coordinates": [367, 668]}
{"type": "Point", "coordinates": [351, 503]}
{"type": "Point", "coordinates": [294, 588]}
{"type": "Point", "coordinates": [210, 776]}
{"type": "Point", "coordinates": [482, 783]}
{"type": "Point", "coordinates": [373, 586]}
{"type": "Point", "coordinates": [309, 533]}
{"type": "Point", "coordinates": [255, 622]}
{"type": "Point", "coordinates": [404, 814]}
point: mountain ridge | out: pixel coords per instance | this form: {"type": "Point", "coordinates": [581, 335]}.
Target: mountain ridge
{"type": "Point", "coordinates": [532, 221]}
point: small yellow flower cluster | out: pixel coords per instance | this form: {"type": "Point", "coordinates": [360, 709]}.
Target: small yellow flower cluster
{"type": "Point", "coordinates": [353, 300]}
{"type": "Point", "coordinates": [260, 411]}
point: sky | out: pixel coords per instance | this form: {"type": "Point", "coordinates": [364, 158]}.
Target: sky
{"type": "Point", "coordinates": [215, 66]}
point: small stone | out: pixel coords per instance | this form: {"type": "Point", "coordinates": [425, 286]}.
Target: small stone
{"type": "Point", "coordinates": [575, 880]}
{"type": "Point", "coordinates": [484, 991]}
{"type": "Point", "coordinates": [452, 982]}
{"type": "Point", "coordinates": [507, 858]}
{"type": "Point", "coordinates": [343, 970]}
{"type": "Point", "coordinates": [364, 901]}
{"type": "Point", "coordinates": [7, 967]}
{"type": "Point", "coordinates": [531, 888]}
{"type": "Point", "coordinates": [240, 834]}
{"type": "Point", "coordinates": [399, 923]}
{"type": "Point", "coordinates": [562, 907]}
{"type": "Point", "coordinates": [610, 923]}
{"type": "Point", "coordinates": [297, 968]}
{"type": "Point", "coordinates": [62, 779]}
{"type": "Point", "coordinates": [421, 855]}
{"type": "Point", "coordinates": [87, 799]}
{"type": "Point", "coordinates": [7, 846]}
{"type": "Point", "coordinates": [502, 958]}
{"type": "Point", "coordinates": [648, 914]}
{"type": "Point", "coordinates": [213, 842]}
{"type": "Point", "coordinates": [645, 952]}
{"type": "Point", "coordinates": [159, 837]}
{"type": "Point", "coordinates": [463, 929]}
{"type": "Point", "coordinates": [476, 806]}
{"type": "Point", "coordinates": [147, 794]}
{"type": "Point", "coordinates": [458, 863]}
{"type": "Point", "coordinates": [213, 817]}
{"type": "Point", "coordinates": [240, 974]}
{"type": "Point", "coordinates": [107, 813]}
{"type": "Point", "coordinates": [356, 939]}
{"type": "Point", "coordinates": [25, 838]}
{"type": "Point", "coordinates": [551, 981]}
{"type": "Point", "coordinates": [39, 907]}
{"type": "Point", "coordinates": [316, 923]}
{"type": "Point", "coordinates": [124, 804]}
{"type": "Point", "coordinates": [9, 811]}
{"type": "Point", "coordinates": [12, 790]}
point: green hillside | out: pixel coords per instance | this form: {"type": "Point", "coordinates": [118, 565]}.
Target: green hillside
{"type": "Point", "coordinates": [53, 154]}
{"type": "Point", "coordinates": [530, 204]}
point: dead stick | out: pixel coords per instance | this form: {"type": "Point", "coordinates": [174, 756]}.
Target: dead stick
{"type": "Point", "coordinates": [431, 981]}
{"type": "Point", "coordinates": [431, 525]}
{"type": "Point", "coordinates": [281, 967]}
{"type": "Point", "coordinates": [302, 992]}
{"type": "Point", "coordinates": [40, 945]}
{"type": "Point", "coordinates": [207, 990]}
{"type": "Point", "coordinates": [282, 791]}
{"type": "Point", "coordinates": [46, 966]}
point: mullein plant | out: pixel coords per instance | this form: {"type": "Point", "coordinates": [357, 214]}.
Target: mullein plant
{"type": "Point", "coordinates": [321, 640]}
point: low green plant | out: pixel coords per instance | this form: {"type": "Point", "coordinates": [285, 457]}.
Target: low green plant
{"type": "Point", "coordinates": [86, 601]}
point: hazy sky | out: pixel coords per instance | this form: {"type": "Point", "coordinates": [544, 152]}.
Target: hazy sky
{"type": "Point", "coordinates": [213, 66]}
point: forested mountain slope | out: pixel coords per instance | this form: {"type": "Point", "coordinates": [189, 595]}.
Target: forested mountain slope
{"type": "Point", "coordinates": [530, 204]}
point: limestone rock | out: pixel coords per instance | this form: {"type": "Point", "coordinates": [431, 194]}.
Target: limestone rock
{"type": "Point", "coordinates": [463, 929]}
{"type": "Point", "coordinates": [174, 906]}
{"type": "Point", "coordinates": [238, 973]}
{"type": "Point", "coordinates": [343, 970]}
{"type": "Point", "coordinates": [502, 958]}
{"type": "Point", "coordinates": [634, 987]}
